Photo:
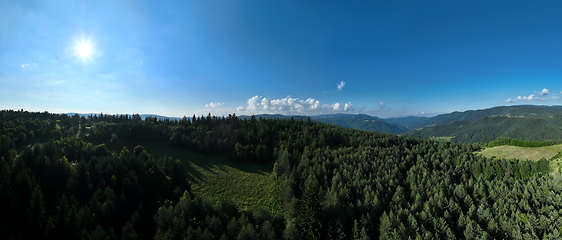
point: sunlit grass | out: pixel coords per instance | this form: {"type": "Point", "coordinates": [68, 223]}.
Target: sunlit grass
{"type": "Point", "coordinates": [213, 177]}
{"type": "Point", "coordinates": [522, 153]}
{"type": "Point", "coordinates": [445, 139]}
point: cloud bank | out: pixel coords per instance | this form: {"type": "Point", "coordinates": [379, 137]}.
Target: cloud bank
{"type": "Point", "coordinates": [289, 105]}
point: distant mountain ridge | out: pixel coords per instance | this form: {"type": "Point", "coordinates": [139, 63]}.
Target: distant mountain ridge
{"type": "Point", "coordinates": [356, 121]}
{"type": "Point", "coordinates": [525, 122]}
{"type": "Point", "coordinates": [360, 121]}
{"type": "Point", "coordinates": [143, 116]}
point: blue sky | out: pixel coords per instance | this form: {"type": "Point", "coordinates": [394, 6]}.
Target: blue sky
{"type": "Point", "coordinates": [176, 58]}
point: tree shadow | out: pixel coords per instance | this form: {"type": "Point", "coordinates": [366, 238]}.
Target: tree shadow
{"type": "Point", "coordinates": [194, 163]}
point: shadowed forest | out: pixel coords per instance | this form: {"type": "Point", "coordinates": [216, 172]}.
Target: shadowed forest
{"type": "Point", "coordinates": [62, 177]}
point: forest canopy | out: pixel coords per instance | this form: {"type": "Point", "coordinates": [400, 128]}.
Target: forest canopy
{"type": "Point", "coordinates": [58, 182]}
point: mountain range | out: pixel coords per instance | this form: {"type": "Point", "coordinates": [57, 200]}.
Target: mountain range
{"type": "Point", "coordinates": [143, 116]}
{"type": "Point", "coordinates": [525, 122]}
{"type": "Point", "coordinates": [357, 121]}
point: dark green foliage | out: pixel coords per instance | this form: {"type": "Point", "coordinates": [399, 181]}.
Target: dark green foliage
{"type": "Point", "coordinates": [519, 143]}
{"type": "Point", "coordinates": [195, 218]}
{"type": "Point", "coordinates": [96, 193]}
{"type": "Point", "coordinates": [334, 183]}
{"type": "Point", "coordinates": [356, 121]}
{"type": "Point", "coordinates": [361, 122]}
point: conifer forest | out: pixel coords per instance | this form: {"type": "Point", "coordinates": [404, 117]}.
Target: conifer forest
{"type": "Point", "coordinates": [59, 180]}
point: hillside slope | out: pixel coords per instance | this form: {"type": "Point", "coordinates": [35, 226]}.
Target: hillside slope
{"type": "Point", "coordinates": [355, 121]}
{"type": "Point", "coordinates": [361, 122]}
{"type": "Point", "coordinates": [490, 128]}
{"type": "Point", "coordinates": [443, 119]}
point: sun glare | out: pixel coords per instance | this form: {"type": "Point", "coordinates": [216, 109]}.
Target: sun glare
{"type": "Point", "coordinates": [84, 49]}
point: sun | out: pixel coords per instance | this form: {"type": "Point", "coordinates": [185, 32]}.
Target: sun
{"type": "Point", "coordinates": [84, 49]}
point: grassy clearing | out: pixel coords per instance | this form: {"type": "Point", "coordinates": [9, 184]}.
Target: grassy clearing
{"type": "Point", "coordinates": [527, 153]}
{"type": "Point", "coordinates": [556, 166]}
{"type": "Point", "coordinates": [216, 178]}
{"type": "Point", "coordinates": [522, 153]}
{"type": "Point", "coordinates": [445, 139]}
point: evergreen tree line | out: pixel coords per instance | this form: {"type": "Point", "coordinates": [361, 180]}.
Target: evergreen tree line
{"type": "Point", "coordinates": [521, 143]}
{"type": "Point", "coordinates": [334, 183]}
{"type": "Point", "coordinates": [71, 189]}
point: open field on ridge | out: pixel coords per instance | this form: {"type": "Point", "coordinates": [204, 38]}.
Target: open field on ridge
{"type": "Point", "coordinates": [213, 177]}
{"type": "Point", "coordinates": [522, 153]}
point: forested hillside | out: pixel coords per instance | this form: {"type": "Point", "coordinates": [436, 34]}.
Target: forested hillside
{"type": "Point", "coordinates": [529, 123]}
{"type": "Point", "coordinates": [444, 119]}
{"type": "Point", "coordinates": [356, 121]}
{"type": "Point", "coordinates": [333, 183]}
{"type": "Point", "coordinates": [361, 122]}
{"type": "Point", "coordinates": [488, 129]}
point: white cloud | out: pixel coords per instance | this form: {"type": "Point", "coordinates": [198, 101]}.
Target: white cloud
{"type": "Point", "coordinates": [289, 105]}
{"type": "Point", "coordinates": [253, 103]}
{"type": "Point", "coordinates": [347, 106]}
{"type": "Point", "coordinates": [213, 105]}
{"type": "Point", "coordinates": [529, 98]}
{"type": "Point", "coordinates": [382, 107]}
{"type": "Point", "coordinates": [28, 65]}
{"type": "Point", "coordinates": [336, 106]}
{"type": "Point", "coordinates": [533, 97]}
{"type": "Point", "coordinates": [341, 85]}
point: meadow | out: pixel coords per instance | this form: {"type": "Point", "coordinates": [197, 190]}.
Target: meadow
{"type": "Point", "coordinates": [527, 153]}
{"type": "Point", "coordinates": [249, 185]}
{"type": "Point", "coordinates": [522, 153]}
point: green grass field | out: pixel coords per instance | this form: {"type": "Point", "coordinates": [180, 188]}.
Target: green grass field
{"type": "Point", "coordinates": [522, 153]}
{"type": "Point", "coordinates": [213, 177]}
{"type": "Point", "coordinates": [446, 139]}
{"type": "Point", "coordinates": [527, 153]}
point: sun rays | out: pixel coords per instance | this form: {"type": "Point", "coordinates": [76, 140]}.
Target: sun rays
{"type": "Point", "coordinates": [84, 49]}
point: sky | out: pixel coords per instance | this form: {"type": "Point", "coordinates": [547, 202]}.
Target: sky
{"type": "Point", "coordinates": [179, 58]}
